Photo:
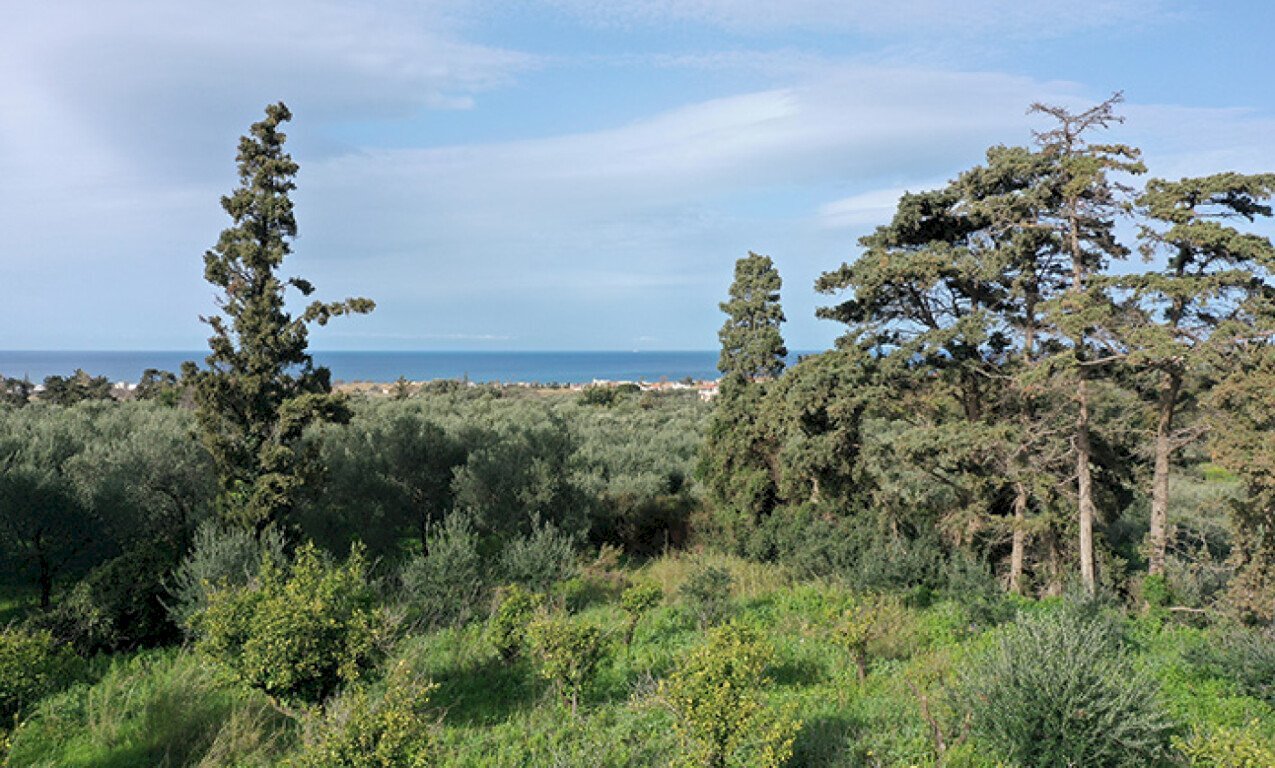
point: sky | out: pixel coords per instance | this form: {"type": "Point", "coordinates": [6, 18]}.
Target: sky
{"type": "Point", "coordinates": [553, 174]}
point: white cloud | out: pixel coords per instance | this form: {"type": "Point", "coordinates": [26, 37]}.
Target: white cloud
{"type": "Point", "coordinates": [1025, 18]}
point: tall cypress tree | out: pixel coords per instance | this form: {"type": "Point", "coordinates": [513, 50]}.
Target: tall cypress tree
{"type": "Point", "coordinates": [261, 388]}
{"type": "Point", "coordinates": [752, 345]}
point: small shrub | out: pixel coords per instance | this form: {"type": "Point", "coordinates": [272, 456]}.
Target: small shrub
{"type": "Point", "coordinates": [1056, 692]}
{"type": "Point", "coordinates": [506, 630]}
{"type": "Point", "coordinates": [637, 601]}
{"type": "Point", "coordinates": [445, 588]}
{"type": "Point", "coordinates": [539, 560]}
{"type": "Point", "coordinates": [869, 627]}
{"type": "Point", "coordinates": [707, 594]}
{"type": "Point", "coordinates": [32, 665]}
{"type": "Point", "coordinates": [219, 558]}
{"type": "Point", "coordinates": [300, 631]}
{"type": "Point", "coordinates": [1227, 748]}
{"type": "Point", "coordinates": [716, 698]}
{"type": "Point", "coordinates": [360, 730]}
{"type": "Point", "coordinates": [566, 654]}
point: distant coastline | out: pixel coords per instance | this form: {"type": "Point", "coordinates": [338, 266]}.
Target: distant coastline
{"type": "Point", "coordinates": [563, 368]}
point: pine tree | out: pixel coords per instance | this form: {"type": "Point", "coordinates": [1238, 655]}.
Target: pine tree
{"type": "Point", "coordinates": [751, 342]}
{"type": "Point", "coordinates": [261, 388]}
{"type": "Point", "coordinates": [1086, 203]}
{"type": "Point", "coordinates": [1206, 300]}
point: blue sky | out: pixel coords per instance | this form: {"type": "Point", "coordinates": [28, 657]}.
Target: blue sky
{"type": "Point", "coordinates": [552, 174]}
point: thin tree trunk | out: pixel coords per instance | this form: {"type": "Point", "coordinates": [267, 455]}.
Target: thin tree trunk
{"type": "Point", "coordinates": [1055, 587]}
{"type": "Point", "coordinates": [1160, 480]}
{"type": "Point", "coordinates": [1084, 490]}
{"type": "Point", "coordinates": [1019, 545]}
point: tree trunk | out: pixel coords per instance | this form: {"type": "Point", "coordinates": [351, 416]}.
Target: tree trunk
{"type": "Point", "coordinates": [1084, 490]}
{"type": "Point", "coordinates": [1019, 545]}
{"type": "Point", "coordinates": [1159, 539]}
{"type": "Point", "coordinates": [1055, 587]}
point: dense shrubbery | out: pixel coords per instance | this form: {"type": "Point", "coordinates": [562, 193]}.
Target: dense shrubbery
{"type": "Point", "coordinates": [707, 593]}
{"type": "Point", "coordinates": [219, 558]}
{"type": "Point", "coordinates": [299, 631]}
{"type": "Point", "coordinates": [32, 665]}
{"type": "Point", "coordinates": [389, 729]}
{"type": "Point", "coordinates": [716, 696]}
{"type": "Point", "coordinates": [566, 653]}
{"type": "Point", "coordinates": [449, 586]}
{"type": "Point", "coordinates": [1058, 690]}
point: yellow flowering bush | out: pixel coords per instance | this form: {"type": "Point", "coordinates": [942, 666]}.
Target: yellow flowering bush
{"type": "Point", "coordinates": [566, 653]}
{"type": "Point", "coordinates": [362, 731]}
{"type": "Point", "coordinates": [298, 632]}
{"type": "Point", "coordinates": [721, 714]}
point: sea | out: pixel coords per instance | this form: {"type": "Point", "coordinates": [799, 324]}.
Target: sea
{"type": "Point", "coordinates": [529, 367]}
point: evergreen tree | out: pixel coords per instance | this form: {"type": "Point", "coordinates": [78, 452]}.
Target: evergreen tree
{"type": "Point", "coordinates": [739, 462]}
{"type": "Point", "coordinates": [751, 342]}
{"type": "Point", "coordinates": [1086, 202]}
{"type": "Point", "coordinates": [261, 388]}
{"type": "Point", "coordinates": [1210, 296]}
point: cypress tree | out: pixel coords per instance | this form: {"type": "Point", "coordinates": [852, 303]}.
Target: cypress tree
{"type": "Point", "coordinates": [260, 388]}
{"type": "Point", "coordinates": [751, 342]}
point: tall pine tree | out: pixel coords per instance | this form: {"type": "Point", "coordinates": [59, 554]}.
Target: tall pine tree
{"type": "Point", "coordinates": [260, 388]}
{"type": "Point", "coordinates": [752, 345]}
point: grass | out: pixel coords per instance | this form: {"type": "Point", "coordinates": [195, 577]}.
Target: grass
{"type": "Point", "coordinates": [168, 709]}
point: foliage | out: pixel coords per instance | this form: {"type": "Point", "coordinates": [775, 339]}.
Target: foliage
{"type": "Point", "coordinates": [32, 665]}
{"type": "Point", "coordinates": [78, 387]}
{"type": "Point", "coordinates": [362, 730]}
{"type": "Point", "coordinates": [1057, 690]}
{"type": "Point", "coordinates": [1243, 655]}
{"type": "Point", "coordinates": [566, 653]}
{"type": "Point", "coordinates": [707, 592]}
{"type": "Point", "coordinates": [447, 586]}
{"type": "Point", "coordinates": [299, 631]}
{"type": "Point", "coordinates": [1227, 748]}
{"type": "Point", "coordinates": [752, 346]}
{"type": "Point", "coordinates": [538, 560]}
{"type": "Point", "coordinates": [636, 602]}
{"type": "Point", "coordinates": [117, 606]}
{"type": "Point", "coordinates": [865, 624]}
{"type": "Point", "coordinates": [219, 558]}
{"type": "Point", "coordinates": [155, 709]}
{"type": "Point", "coordinates": [716, 699]}
{"type": "Point", "coordinates": [260, 388]}
{"type": "Point", "coordinates": [507, 627]}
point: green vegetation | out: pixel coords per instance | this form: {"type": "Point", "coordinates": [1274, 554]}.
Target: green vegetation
{"type": "Point", "coordinates": [1020, 516]}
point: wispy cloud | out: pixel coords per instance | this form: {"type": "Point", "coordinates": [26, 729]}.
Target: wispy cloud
{"type": "Point", "coordinates": [1026, 18]}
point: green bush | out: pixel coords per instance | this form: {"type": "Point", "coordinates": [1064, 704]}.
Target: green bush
{"type": "Point", "coordinates": [117, 606]}
{"type": "Point", "coordinates": [507, 627]}
{"type": "Point", "coordinates": [218, 558]}
{"type": "Point", "coordinates": [299, 631]}
{"type": "Point", "coordinates": [1227, 748]}
{"type": "Point", "coordinates": [32, 665]}
{"type": "Point", "coordinates": [637, 601]}
{"type": "Point", "coordinates": [446, 587]}
{"type": "Point", "coordinates": [360, 730]}
{"type": "Point", "coordinates": [706, 592]}
{"type": "Point", "coordinates": [566, 653]}
{"type": "Point", "coordinates": [539, 560]}
{"type": "Point", "coordinates": [1243, 655]}
{"type": "Point", "coordinates": [721, 715]}
{"type": "Point", "coordinates": [1057, 692]}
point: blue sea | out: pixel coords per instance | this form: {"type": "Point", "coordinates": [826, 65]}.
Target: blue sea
{"type": "Point", "coordinates": [534, 367]}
